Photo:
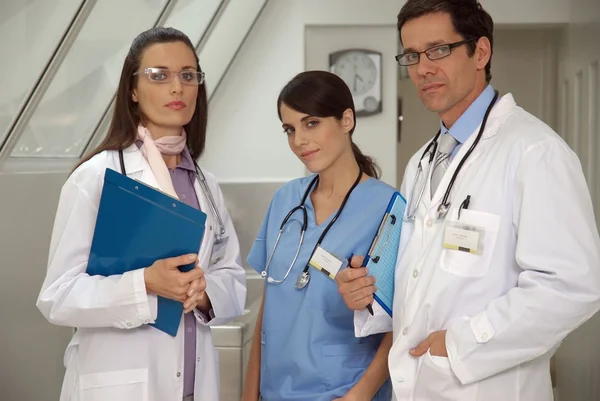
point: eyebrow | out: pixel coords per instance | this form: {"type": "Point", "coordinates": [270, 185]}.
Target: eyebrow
{"type": "Point", "coordinates": [303, 119]}
{"type": "Point", "coordinates": [187, 67]}
{"type": "Point", "coordinates": [428, 45]}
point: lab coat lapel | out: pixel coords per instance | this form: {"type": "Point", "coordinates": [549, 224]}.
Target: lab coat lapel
{"type": "Point", "coordinates": [497, 115]}
{"type": "Point", "coordinates": [209, 226]}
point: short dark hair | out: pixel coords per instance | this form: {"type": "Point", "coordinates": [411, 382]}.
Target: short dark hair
{"type": "Point", "coordinates": [324, 94]}
{"type": "Point", "coordinates": [469, 18]}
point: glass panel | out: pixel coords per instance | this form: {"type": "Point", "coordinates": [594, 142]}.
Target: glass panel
{"type": "Point", "coordinates": [35, 28]}
{"type": "Point", "coordinates": [87, 79]}
{"type": "Point", "coordinates": [202, 10]}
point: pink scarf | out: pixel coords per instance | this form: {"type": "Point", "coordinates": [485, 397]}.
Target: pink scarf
{"type": "Point", "coordinates": [153, 151]}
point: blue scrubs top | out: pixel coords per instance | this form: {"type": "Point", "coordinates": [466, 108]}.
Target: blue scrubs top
{"type": "Point", "coordinates": [309, 351]}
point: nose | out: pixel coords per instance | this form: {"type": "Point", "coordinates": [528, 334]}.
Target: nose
{"type": "Point", "coordinates": [425, 66]}
{"type": "Point", "coordinates": [176, 85]}
{"type": "Point", "coordinates": [300, 138]}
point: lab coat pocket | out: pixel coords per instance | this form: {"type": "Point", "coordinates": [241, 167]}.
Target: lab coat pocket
{"type": "Point", "coordinates": [436, 381]}
{"type": "Point", "coordinates": [118, 385]}
{"type": "Point", "coordinates": [475, 264]}
{"type": "Point", "coordinates": [344, 364]}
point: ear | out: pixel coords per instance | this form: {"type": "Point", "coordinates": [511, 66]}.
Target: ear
{"type": "Point", "coordinates": [483, 52]}
{"type": "Point", "coordinates": [348, 120]}
{"type": "Point", "coordinates": [134, 96]}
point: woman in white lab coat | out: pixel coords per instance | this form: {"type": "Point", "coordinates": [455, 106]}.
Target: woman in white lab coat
{"type": "Point", "coordinates": [157, 131]}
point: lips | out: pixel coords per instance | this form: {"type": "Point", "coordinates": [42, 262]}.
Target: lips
{"type": "Point", "coordinates": [308, 154]}
{"type": "Point", "coordinates": [176, 105]}
{"type": "Point", "coordinates": [431, 87]}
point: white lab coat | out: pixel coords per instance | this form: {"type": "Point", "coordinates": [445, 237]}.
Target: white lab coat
{"type": "Point", "coordinates": [507, 310]}
{"type": "Point", "coordinates": [115, 355]}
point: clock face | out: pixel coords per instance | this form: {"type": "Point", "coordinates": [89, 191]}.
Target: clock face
{"type": "Point", "coordinates": [358, 70]}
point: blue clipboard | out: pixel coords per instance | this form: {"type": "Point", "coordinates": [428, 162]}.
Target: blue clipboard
{"type": "Point", "coordinates": [383, 253]}
{"type": "Point", "coordinates": [137, 225]}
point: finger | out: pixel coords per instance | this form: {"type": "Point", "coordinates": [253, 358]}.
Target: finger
{"type": "Point", "coordinates": [190, 301]}
{"type": "Point", "coordinates": [182, 260]}
{"type": "Point", "coordinates": [353, 274]}
{"type": "Point", "coordinates": [421, 349]}
{"type": "Point", "coordinates": [362, 293]}
{"type": "Point", "coordinates": [357, 261]}
{"type": "Point", "coordinates": [194, 274]}
{"type": "Point", "coordinates": [193, 287]}
{"type": "Point", "coordinates": [362, 303]}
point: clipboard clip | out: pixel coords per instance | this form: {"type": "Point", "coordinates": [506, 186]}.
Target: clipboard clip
{"type": "Point", "coordinates": [393, 218]}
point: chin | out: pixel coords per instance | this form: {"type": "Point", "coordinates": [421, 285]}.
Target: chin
{"type": "Point", "coordinates": [314, 168]}
{"type": "Point", "coordinates": [436, 104]}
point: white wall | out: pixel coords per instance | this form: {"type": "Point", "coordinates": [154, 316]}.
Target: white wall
{"type": "Point", "coordinates": [243, 122]}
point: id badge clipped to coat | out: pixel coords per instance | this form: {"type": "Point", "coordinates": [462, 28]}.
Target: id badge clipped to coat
{"type": "Point", "coordinates": [218, 250]}
{"type": "Point", "coordinates": [326, 263]}
{"type": "Point", "coordinates": [464, 237]}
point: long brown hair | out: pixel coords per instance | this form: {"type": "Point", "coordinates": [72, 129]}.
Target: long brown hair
{"type": "Point", "coordinates": [324, 94]}
{"type": "Point", "coordinates": [126, 116]}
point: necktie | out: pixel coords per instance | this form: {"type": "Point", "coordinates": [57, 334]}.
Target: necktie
{"type": "Point", "coordinates": [442, 160]}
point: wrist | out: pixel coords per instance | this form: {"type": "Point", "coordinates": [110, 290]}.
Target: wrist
{"type": "Point", "coordinates": [204, 305]}
{"type": "Point", "coordinates": [361, 391]}
{"type": "Point", "coordinates": [148, 280]}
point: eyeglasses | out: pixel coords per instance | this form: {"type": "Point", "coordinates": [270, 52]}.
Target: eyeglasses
{"type": "Point", "coordinates": [163, 75]}
{"type": "Point", "coordinates": [433, 53]}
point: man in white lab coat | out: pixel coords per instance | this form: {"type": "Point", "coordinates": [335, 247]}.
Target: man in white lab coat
{"type": "Point", "coordinates": [499, 257]}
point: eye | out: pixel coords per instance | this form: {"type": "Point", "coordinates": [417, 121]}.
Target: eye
{"type": "Point", "coordinates": [158, 75]}
{"type": "Point", "coordinates": [439, 51]}
{"type": "Point", "coordinates": [411, 57]}
{"type": "Point", "coordinates": [312, 123]}
{"type": "Point", "coordinates": [188, 76]}
{"type": "Point", "coordinates": [288, 130]}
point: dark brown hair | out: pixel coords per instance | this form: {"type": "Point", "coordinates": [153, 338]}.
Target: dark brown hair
{"type": "Point", "coordinates": [469, 18]}
{"type": "Point", "coordinates": [126, 116]}
{"type": "Point", "coordinates": [324, 94]}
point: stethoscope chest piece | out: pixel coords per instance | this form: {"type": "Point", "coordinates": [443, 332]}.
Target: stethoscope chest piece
{"type": "Point", "coordinates": [302, 280]}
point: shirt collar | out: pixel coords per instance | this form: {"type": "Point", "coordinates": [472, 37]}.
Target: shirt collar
{"type": "Point", "coordinates": [471, 118]}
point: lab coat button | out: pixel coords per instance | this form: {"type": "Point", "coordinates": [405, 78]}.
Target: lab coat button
{"type": "Point", "coordinates": [128, 324]}
{"type": "Point", "coordinates": [484, 336]}
{"type": "Point", "coordinates": [405, 331]}
{"type": "Point", "coordinates": [415, 273]}
{"type": "Point", "coordinates": [429, 222]}
{"type": "Point", "coordinates": [178, 374]}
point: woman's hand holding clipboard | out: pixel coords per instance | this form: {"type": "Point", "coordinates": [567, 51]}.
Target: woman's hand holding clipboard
{"type": "Point", "coordinates": [356, 286]}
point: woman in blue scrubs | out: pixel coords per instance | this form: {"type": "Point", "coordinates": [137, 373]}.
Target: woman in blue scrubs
{"type": "Point", "coordinates": [304, 347]}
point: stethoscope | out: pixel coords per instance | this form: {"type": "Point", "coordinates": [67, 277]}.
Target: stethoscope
{"type": "Point", "coordinates": [202, 180]}
{"type": "Point", "coordinates": [442, 210]}
{"type": "Point", "coordinates": [304, 278]}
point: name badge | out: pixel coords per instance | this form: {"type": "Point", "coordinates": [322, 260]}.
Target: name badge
{"type": "Point", "coordinates": [326, 263]}
{"type": "Point", "coordinates": [218, 250]}
{"type": "Point", "coordinates": [463, 237]}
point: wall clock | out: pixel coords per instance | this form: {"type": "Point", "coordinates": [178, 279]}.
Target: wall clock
{"type": "Point", "coordinates": [361, 71]}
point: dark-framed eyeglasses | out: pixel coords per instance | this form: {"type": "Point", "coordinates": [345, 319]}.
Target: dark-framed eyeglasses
{"type": "Point", "coordinates": [433, 53]}
{"type": "Point", "coordinates": [164, 75]}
